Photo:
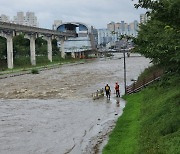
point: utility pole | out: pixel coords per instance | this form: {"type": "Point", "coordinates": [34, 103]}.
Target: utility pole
{"type": "Point", "coordinates": [124, 71]}
{"type": "Point", "coordinates": [125, 38]}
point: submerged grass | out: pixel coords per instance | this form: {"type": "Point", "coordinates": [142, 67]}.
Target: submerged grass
{"type": "Point", "coordinates": [150, 123]}
{"type": "Point", "coordinates": [23, 63]}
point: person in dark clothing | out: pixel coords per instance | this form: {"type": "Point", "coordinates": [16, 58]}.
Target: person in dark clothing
{"type": "Point", "coordinates": [108, 90]}
{"type": "Point", "coordinates": [117, 90]}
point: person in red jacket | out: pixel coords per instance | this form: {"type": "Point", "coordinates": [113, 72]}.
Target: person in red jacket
{"type": "Point", "coordinates": [117, 90]}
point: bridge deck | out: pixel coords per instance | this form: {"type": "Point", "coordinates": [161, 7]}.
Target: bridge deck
{"type": "Point", "coordinates": [28, 29]}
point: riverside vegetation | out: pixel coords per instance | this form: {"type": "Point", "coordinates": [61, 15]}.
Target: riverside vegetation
{"type": "Point", "coordinates": [150, 122]}
{"type": "Point", "coordinates": [151, 119]}
{"type": "Point", "coordinates": [21, 53]}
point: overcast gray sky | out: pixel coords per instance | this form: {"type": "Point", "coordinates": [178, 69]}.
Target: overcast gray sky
{"type": "Point", "coordinates": [93, 12]}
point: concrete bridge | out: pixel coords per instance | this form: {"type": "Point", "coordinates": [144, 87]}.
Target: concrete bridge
{"type": "Point", "coordinates": [9, 30]}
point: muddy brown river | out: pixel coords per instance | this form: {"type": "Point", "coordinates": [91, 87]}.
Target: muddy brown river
{"type": "Point", "coordinates": [53, 112]}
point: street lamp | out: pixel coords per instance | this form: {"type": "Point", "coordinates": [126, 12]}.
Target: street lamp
{"type": "Point", "coordinates": [124, 37]}
{"type": "Point", "coordinates": [124, 71]}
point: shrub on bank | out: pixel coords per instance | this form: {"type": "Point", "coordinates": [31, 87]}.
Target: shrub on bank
{"type": "Point", "coordinates": [35, 71]}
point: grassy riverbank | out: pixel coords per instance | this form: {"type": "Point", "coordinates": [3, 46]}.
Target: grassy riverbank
{"type": "Point", "coordinates": [150, 122]}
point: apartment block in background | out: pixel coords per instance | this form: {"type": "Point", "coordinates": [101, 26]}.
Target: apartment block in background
{"type": "Point", "coordinates": [29, 19]}
{"type": "Point", "coordinates": [4, 18]}
{"type": "Point", "coordinates": [143, 18]}
{"type": "Point", "coordinates": [56, 24]}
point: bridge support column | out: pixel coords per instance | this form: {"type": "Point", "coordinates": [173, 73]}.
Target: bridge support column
{"type": "Point", "coordinates": [32, 49]}
{"type": "Point", "coordinates": [32, 39]}
{"type": "Point", "coordinates": [49, 46]}
{"type": "Point", "coordinates": [73, 55]}
{"type": "Point", "coordinates": [10, 51]}
{"type": "Point", "coordinates": [79, 55]}
{"type": "Point", "coordinates": [82, 55]}
{"type": "Point", "coordinates": [9, 43]}
{"type": "Point", "coordinates": [49, 50]}
{"type": "Point", "coordinates": [63, 54]}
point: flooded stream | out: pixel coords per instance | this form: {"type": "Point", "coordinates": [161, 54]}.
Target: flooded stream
{"type": "Point", "coordinates": [53, 112]}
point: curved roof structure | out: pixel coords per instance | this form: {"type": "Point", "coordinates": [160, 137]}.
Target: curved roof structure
{"type": "Point", "coordinates": [71, 26]}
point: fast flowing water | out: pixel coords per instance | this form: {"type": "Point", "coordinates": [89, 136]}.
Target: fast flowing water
{"type": "Point", "coordinates": [54, 112]}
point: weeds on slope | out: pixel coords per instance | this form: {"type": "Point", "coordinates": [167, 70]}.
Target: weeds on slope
{"type": "Point", "coordinates": [150, 123]}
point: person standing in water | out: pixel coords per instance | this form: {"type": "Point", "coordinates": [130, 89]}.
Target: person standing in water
{"type": "Point", "coordinates": [117, 90]}
{"type": "Point", "coordinates": [108, 90]}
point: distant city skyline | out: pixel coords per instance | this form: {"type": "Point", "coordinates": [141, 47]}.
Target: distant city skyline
{"type": "Point", "coordinates": [30, 19]}
{"type": "Point", "coordinates": [96, 13]}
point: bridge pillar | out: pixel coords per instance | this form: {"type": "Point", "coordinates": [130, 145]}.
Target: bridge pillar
{"type": "Point", "coordinates": [73, 55]}
{"type": "Point", "coordinates": [82, 55]}
{"type": "Point", "coordinates": [63, 54]}
{"type": "Point", "coordinates": [9, 43]}
{"type": "Point", "coordinates": [79, 54]}
{"type": "Point", "coordinates": [10, 51]}
{"type": "Point", "coordinates": [49, 46]}
{"type": "Point", "coordinates": [32, 39]}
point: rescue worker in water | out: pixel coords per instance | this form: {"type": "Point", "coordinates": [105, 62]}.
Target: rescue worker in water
{"type": "Point", "coordinates": [108, 90]}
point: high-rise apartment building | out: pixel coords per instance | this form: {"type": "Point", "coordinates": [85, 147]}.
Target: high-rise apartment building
{"type": "Point", "coordinates": [29, 19]}
{"type": "Point", "coordinates": [143, 18]}
{"type": "Point", "coordinates": [104, 36]}
{"type": "Point", "coordinates": [111, 26]}
{"type": "Point", "coordinates": [114, 31]}
{"type": "Point", "coordinates": [56, 24]}
{"type": "Point", "coordinates": [4, 18]}
{"type": "Point", "coordinates": [117, 26]}
{"type": "Point", "coordinates": [131, 26]}
{"type": "Point", "coordinates": [126, 27]}
{"type": "Point", "coordinates": [19, 19]}
{"type": "Point", "coordinates": [123, 26]}
{"type": "Point", "coordinates": [136, 25]}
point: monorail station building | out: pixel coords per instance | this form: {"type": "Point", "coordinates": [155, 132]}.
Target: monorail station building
{"type": "Point", "coordinates": [78, 47]}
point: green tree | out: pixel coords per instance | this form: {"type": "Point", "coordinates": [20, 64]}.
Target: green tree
{"type": "Point", "coordinates": [21, 46]}
{"type": "Point", "coordinates": [41, 47]}
{"type": "Point", "coordinates": [3, 48]}
{"type": "Point", "coordinates": [166, 11]}
{"type": "Point", "coordinates": [55, 49]}
{"type": "Point", "coordinates": [159, 38]}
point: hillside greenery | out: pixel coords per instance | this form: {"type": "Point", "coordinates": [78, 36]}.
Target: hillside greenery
{"type": "Point", "coordinates": [159, 38]}
{"type": "Point", "coordinates": [150, 123]}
